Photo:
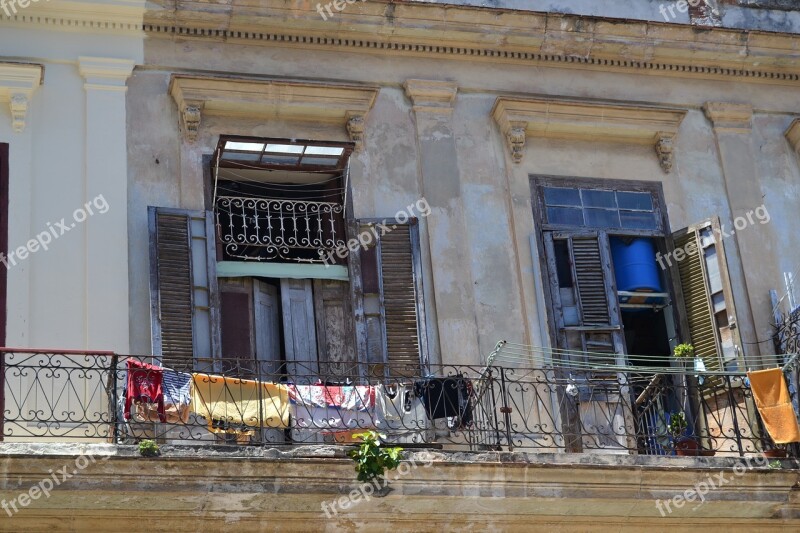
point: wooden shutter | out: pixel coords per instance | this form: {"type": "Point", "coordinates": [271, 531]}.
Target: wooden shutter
{"type": "Point", "coordinates": [401, 295]}
{"type": "Point", "coordinates": [335, 326]}
{"type": "Point", "coordinates": [299, 328]}
{"type": "Point", "coordinates": [590, 280]}
{"type": "Point", "coordinates": [707, 297]}
{"type": "Point", "coordinates": [183, 287]}
{"type": "Point", "coordinates": [697, 304]}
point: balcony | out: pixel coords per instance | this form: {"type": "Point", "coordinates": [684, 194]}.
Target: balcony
{"type": "Point", "coordinates": [457, 428]}
{"type": "Point", "coordinates": [278, 229]}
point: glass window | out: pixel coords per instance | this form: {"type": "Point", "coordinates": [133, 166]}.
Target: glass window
{"type": "Point", "coordinates": [565, 215]}
{"type": "Point", "coordinates": [639, 201]}
{"type": "Point", "coordinates": [604, 218]}
{"type": "Point", "coordinates": [561, 196]}
{"type": "Point", "coordinates": [638, 220]}
{"type": "Point", "coordinates": [593, 198]}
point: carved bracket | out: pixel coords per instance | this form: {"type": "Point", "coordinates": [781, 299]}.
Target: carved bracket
{"type": "Point", "coordinates": [664, 149]}
{"type": "Point", "coordinates": [355, 128]}
{"type": "Point", "coordinates": [18, 81]}
{"type": "Point", "coordinates": [559, 118]}
{"type": "Point", "coordinates": [516, 140]}
{"type": "Point", "coordinates": [190, 120]}
{"type": "Point", "coordinates": [19, 111]}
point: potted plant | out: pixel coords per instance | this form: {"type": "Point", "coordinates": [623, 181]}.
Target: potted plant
{"type": "Point", "coordinates": [684, 352]}
{"type": "Point", "coordinates": [684, 445]}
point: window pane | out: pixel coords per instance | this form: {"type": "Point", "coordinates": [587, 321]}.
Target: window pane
{"type": "Point", "coordinates": [641, 201]}
{"type": "Point", "coordinates": [248, 147]}
{"type": "Point", "coordinates": [279, 159]}
{"type": "Point", "coordinates": [320, 161]}
{"type": "Point", "coordinates": [592, 198]}
{"type": "Point", "coordinates": [559, 196]}
{"type": "Point", "coordinates": [285, 148]}
{"type": "Point", "coordinates": [603, 218]}
{"type": "Point", "coordinates": [712, 270]}
{"type": "Point", "coordinates": [324, 150]}
{"type": "Point", "coordinates": [241, 156]}
{"type": "Point", "coordinates": [565, 215]}
{"type": "Point", "coordinates": [638, 220]}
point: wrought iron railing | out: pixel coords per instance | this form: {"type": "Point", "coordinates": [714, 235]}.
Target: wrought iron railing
{"type": "Point", "coordinates": [82, 396]}
{"type": "Point", "coordinates": [267, 229]}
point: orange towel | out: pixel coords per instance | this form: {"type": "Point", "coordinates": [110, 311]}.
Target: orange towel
{"type": "Point", "coordinates": [774, 405]}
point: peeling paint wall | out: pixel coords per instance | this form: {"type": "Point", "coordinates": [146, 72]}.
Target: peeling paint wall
{"type": "Point", "coordinates": [489, 264]}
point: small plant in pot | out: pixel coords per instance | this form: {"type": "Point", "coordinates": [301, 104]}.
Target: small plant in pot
{"type": "Point", "coordinates": [684, 352]}
{"type": "Point", "coordinates": [684, 445]}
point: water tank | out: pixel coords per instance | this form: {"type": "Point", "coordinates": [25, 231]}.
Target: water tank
{"type": "Point", "coordinates": [635, 264]}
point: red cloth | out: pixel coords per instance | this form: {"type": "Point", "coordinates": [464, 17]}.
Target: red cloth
{"type": "Point", "coordinates": [144, 385]}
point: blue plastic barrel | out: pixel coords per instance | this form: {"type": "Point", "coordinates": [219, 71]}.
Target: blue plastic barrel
{"type": "Point", "coordinates": [635, 264]}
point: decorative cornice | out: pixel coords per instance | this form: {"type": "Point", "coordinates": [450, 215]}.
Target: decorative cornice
{"type": "Point", "coordinates": [18, 81]}
{"type": "Point", "coordinates": [559, 118]}
{"type": "Point", "coordinates": [105, 73]}
{"type": "Point", "coordinates": [347, 105]}
{"type": "Point", "coordinates": [493, 35]}
{"type": "Point", "coordinates": [793, 135]}
{"type": "Point", "coordinates": [729, 117]}
{"type": "Point", "coordinates": [431, 96]}
{"type": "Point", "coordinates": [103, 16]}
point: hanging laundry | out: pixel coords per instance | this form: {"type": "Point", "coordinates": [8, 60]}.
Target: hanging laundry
{"type": "Point", "coordinates": [232, 405]}
{"type": "Point", "coordinates": [332, 407]}
{"type": "Point", "coordinates": [446, 397]}
{"type": "Point", "coordinates": [400, 415]}
{"type": "Point", "coordinates": [774, 405]}
{"type": "Point", "coordinates": [144, 387]}
{"type": "Point", "coordinates": [177, 399]}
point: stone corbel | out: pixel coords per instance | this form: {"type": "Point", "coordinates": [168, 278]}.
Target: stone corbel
{"type": "Point", "coordinates": [355, 128]}
{"type": "Point", "coordinates": [191, 114]}
{"type": "Point", "coordinates": [19, 111]}
{"type": "Point", "coordinates": [516, 136]}
{"type": "Point", "coordinates": [664, 150]}
{"type": "Point", "coordinates": [18, 81]}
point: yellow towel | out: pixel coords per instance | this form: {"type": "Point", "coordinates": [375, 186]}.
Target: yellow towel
{"type": "Point", "coordinates": [774, 405]}
{"type": "Point", "coordinates": [240, 402]}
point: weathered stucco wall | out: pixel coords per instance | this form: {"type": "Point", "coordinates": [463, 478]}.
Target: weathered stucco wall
{"type": "Point", "coordinates": [492, 250]}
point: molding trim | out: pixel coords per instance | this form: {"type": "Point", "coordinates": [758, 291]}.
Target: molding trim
{"type": "Point", "coordinates": [18, 81]}
{"type": "Point", "coordinates": [729, 117]}
{"type": "Point", "coordinates": [347, 105]}
{"type": "Point", "coordinates": [520, 118]}
{"type": "Point", "coordinates": [105, 73]}
{"type": "Point", "coordinates": [482, 34]}
{"type": "Point", "coordinates": [103, 16]}
{"type": "Point", "coordinates": [793, 135]}
{"type": "Point", "coordinates": [431, 96]}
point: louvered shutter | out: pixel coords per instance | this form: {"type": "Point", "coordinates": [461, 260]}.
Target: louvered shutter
{"type": "Point", "coordinates": [590, 281]}
{"type": "Point", "coordinates": [399, 298]}
{"type": "Point", "coordinates": [183, 287]}
{"type": "Point", "coordinates": [707, 296]}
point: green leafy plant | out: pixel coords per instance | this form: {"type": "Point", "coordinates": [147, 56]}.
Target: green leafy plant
{"type": "Point", "coordinates": [371, 459]}
{"type": "Point", "coordinates": [148, 448]}
{"type": "Point", "coordinates": [775, 464]}
{"type": "Point", "coordinates": [677, 424]}
{"type": "Point", "coordinates": [684, 351]}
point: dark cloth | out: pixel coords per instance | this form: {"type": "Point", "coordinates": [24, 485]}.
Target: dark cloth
{"type": "Point", "coordinates": [446, 397]}
{"type": "Point", "coordinates": [144, 386]}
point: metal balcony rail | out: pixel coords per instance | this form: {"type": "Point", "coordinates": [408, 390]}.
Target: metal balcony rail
{"type": "Point", "coordinates": [82, 396]}
{"type": "Point", "coordinates": [271, 228]}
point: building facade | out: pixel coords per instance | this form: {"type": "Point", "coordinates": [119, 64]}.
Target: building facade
{"type": "Point", "coordinates": [304, 186]}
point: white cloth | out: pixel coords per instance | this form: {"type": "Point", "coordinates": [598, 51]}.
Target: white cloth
{"type": "Point", "coordinates": [400, 416]}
